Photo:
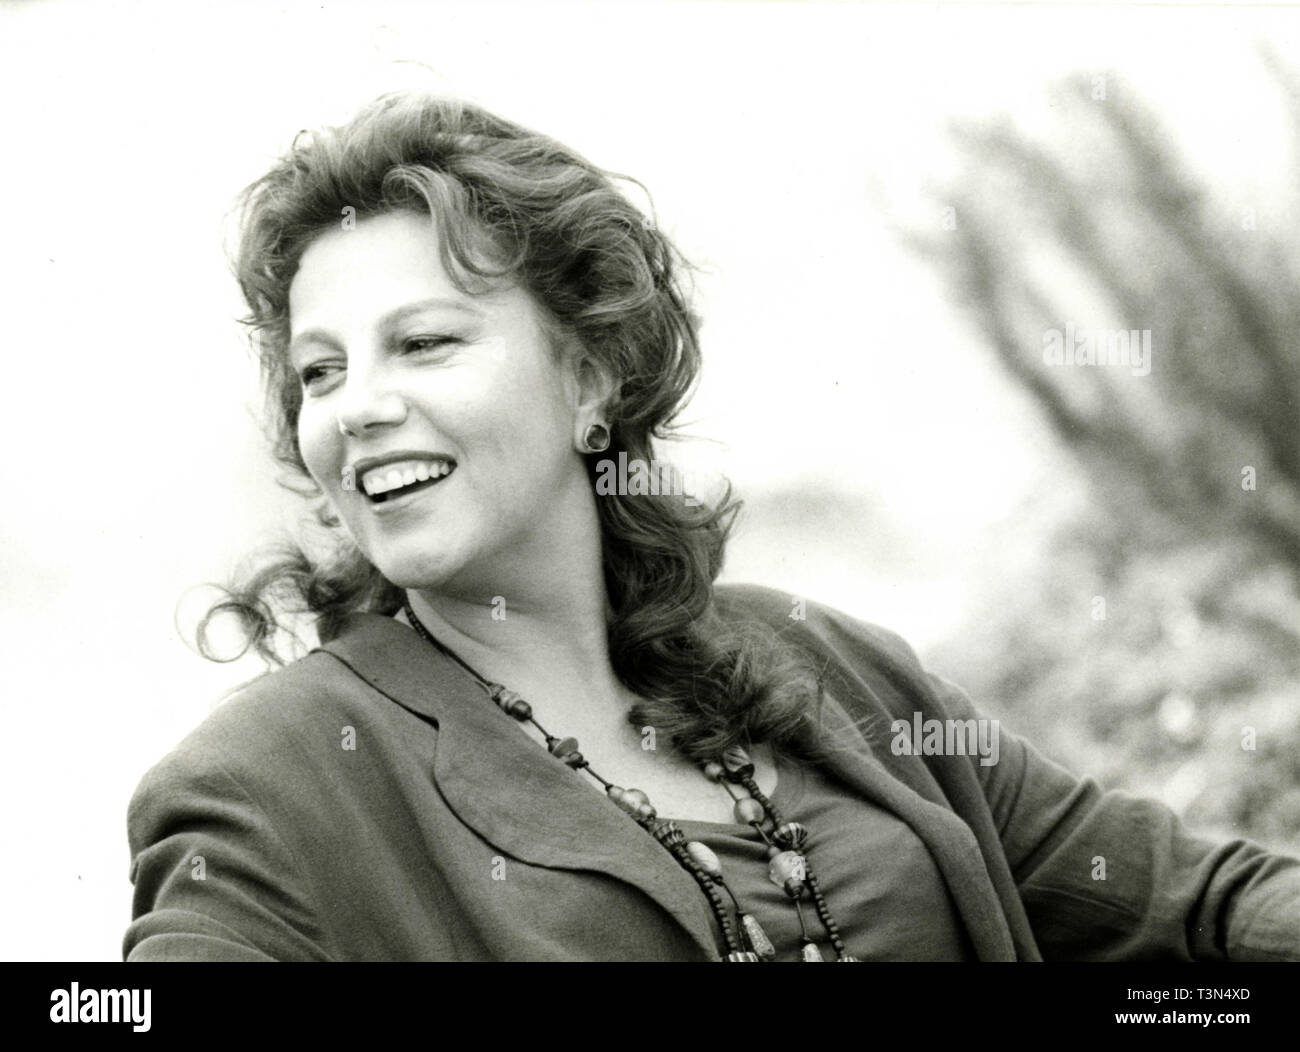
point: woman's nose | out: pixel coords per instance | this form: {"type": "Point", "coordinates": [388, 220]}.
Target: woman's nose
{"type": "Point", "coordinates": [368, 404]}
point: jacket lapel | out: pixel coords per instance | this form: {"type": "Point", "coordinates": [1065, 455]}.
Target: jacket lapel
{"type": "Point", "coordinates": [502, 783]}
{"type": "Point", "coordinates": [951, 842]}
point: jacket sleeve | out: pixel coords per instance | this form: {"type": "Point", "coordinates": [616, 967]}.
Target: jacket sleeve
{"type": "Point", "coordinates": [213, 880]}
{"type": "Point", "coordinates": [1109, 876]}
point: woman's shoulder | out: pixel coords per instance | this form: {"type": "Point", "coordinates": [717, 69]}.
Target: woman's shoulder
{"type": "Point", "coordinates": [802, 619]}
{"type": "Point", "coordinates": [868, 668]}
{"type": "Point", "coordinates": [258, 728]}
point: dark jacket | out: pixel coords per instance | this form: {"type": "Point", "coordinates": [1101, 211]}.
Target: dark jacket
{"type": "Point", "coordinates": [447, 834]}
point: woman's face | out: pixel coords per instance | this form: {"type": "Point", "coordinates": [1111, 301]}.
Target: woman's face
{"type": "Point", "coordinates": [459, 465]}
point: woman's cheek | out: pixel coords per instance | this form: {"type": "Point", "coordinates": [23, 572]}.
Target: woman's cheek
{"type": "Point", "coordinates": [316, 443]}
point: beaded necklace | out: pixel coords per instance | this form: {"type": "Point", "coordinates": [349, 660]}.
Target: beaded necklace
{"type": "Point", "coordinates": [788, 866]}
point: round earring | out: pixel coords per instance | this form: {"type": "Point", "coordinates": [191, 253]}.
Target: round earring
{"type": "Point", "coordinates": [595, 439]}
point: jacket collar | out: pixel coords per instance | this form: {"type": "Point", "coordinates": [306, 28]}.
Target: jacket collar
{"type": "Point", "coordinates": [487, 770]}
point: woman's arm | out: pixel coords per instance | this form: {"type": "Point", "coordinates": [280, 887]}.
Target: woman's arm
{"type": "Point", "coordinates": [213, 879]}
{"type": "Point", "coordinates": [1109, 876]}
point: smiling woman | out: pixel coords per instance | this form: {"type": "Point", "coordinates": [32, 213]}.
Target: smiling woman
{"type": "Point", "coordinates": [456, 318]}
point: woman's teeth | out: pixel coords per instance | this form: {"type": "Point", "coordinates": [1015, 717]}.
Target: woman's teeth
{"type": "Point", "coordinates": [398, 475]}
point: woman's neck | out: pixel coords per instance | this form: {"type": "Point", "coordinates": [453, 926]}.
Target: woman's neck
{"type": "Point", "coordinates": [546, 638]}
{"type": "Point", "coordinates": [503, 633]}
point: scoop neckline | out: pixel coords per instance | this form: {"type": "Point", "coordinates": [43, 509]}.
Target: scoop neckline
{"type": "Point", "coordinates": [777, 796]}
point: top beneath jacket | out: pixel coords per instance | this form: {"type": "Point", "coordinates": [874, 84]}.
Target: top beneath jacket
{"type": "Point", "coordinates": [881, 885]}
{"type": "Point", "coordinates": [264, 836]}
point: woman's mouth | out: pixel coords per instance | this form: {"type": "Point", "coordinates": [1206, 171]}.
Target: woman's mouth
{"type": "Point", "coordinates": [396, 478]}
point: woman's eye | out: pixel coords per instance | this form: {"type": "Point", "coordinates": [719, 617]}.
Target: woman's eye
{"type": "Point", "coordinates": [314, 375]}
{"type": "Point", "coordinates": [426, 343]}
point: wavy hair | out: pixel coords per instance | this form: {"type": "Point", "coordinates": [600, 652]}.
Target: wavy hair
{"type": "Point", "coordinates": [509, 202]}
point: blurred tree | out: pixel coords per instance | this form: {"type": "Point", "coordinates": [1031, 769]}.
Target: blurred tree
{"type": "Point", "coordinates": [1185, 680]}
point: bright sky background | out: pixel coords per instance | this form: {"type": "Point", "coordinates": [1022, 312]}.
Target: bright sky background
{"type": "Point", "coordinates": [780, 142]}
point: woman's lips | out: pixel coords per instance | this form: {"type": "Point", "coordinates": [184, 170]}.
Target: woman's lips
{"type": "Point", "coordinates": [393, 475]}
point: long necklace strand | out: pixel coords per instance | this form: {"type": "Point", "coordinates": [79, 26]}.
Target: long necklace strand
{"type": "Point", "coordinates": [788, 865]}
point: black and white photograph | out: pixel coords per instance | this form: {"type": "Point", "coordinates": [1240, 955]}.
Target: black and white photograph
{"type": "Point", "coordinates": [711, 482]}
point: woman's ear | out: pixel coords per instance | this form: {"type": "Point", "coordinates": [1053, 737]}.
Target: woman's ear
{"type": "Point", "coordinates": [594, 387]}
{"type": "Point", "coordinates": [592, 426]}
{"type": "Point", "coordinates": [590, 384]}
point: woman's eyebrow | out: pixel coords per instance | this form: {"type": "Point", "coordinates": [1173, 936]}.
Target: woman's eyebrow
{"type": "Point", "coordinates": [393, 319]}
{"type": "Point", "coordinates": [389, 320]}
{"type": "Point", "coordinates": [400, 314]}
{"type": "Point", "coordinates": [307, 336]}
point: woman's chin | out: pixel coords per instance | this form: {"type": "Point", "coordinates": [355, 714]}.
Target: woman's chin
{"type": "Point", "coordinates": [443, 575]}
{"type": "Point", "coordinates": [419, 578]}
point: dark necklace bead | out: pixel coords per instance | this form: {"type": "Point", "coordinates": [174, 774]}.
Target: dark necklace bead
{"type": "Point", "coordinates": [567, 751]}
{"type": "Point", "coordinates": [564, 746]}
{"type": "Point", "coordinates": [737, 763]}
{"type": "Point", "coordinates": [511, 703]}
{"type": "Point", "coordinates": [716, 902]}
{"type": "Point", "coordinates": [668, 833]}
